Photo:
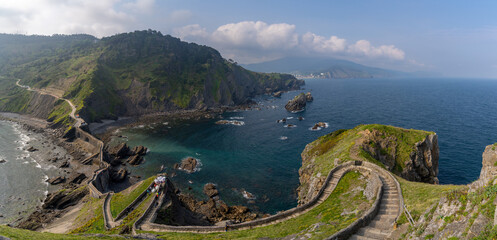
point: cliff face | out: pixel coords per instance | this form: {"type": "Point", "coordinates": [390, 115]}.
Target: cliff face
{"type": "Point", "coordinates": [488, 172]}
{"type": "Point", "coordinates": [423, 163]}
{"type": "Point", "coordinates": [411, 154]}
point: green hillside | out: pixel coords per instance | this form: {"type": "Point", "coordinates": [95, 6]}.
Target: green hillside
{"type": "Point", "coordinates": [128, 74]}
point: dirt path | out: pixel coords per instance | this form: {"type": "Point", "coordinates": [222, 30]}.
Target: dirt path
{"type": "Point", "coordinates": [78, 120]}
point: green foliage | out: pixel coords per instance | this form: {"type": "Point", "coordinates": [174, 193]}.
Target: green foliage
{"type": "Point", "coordinates": [330, 214]}
{"type": "Point", "coordinates": [121, 200]}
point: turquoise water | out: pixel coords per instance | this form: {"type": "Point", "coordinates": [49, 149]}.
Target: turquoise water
{"type": "Point", "coordinates": [254, 156]}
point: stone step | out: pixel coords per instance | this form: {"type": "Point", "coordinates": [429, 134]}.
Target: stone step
{"type": "Point", "coordinates": [372, 233]}
{"type": "Point", "coordinates": [389, 201]}
{"type": "Point", "coordinates": [386, 217]}
{"type": "Point", "coordinates": [389, 205]}
{"type": "Point", "coordinates": [388, 211]}
{"type": "Point", "coordinates": [387, 226]}
{"type": "Point", "coordinates": [358, 237]}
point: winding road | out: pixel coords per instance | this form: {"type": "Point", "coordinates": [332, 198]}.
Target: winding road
{"type": "Point", "coordinates": [79, 121]}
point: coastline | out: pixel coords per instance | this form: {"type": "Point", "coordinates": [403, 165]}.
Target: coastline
{"type": "Point", "coordinates": [51, 152]}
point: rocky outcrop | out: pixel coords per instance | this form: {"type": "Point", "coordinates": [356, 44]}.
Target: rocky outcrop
{"type": "Point", "coordinates": [135, 160]}
{"type": "Point", "coordinates": [119, 151]}
{"type": "Point", "coordinates": [423, 163]}
{"type": "Point", "coordinates": [188, 165]}
{"type": "Point", "coordinates": [56, 180]}
{"type": "Point", "coordinates": [118, 175]}
{"type": "Point", "coordinates": [488, 171]}
{"type": "Point", "coordinates": [210, 190]}
{"type": "Point", "coordinates": [308, 97]}
{"type": "Point", "coordinates": [122, 151]}
{"type": "Point", "coordinates": [297, 104]}
{"type": "Point", "coordinates": [277, 94]}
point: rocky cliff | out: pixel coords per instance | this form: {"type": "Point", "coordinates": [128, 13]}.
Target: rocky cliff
{"type": "Point", "coordinates": [412, 154]}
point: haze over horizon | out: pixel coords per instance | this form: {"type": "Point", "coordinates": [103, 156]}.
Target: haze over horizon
{"type": "Point", "coordinates": [454, 38]}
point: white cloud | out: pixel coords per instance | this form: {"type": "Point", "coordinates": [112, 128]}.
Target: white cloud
{"type": "Point", "coordinates": [364, 47]}
{"type": "Point", "coordinates": [322, 44]}
{"type": "Point", "coordinates": [257, 34]}
{"type": "Point", "coordinates": [251, 40]}
{"type": "Point", "coordinates": [100, 18]}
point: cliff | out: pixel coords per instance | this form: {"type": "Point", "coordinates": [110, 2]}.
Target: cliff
{"type": "Point", "coordinates": [412, 154]}
{"type": "Point", "coordinates": [129, 74]}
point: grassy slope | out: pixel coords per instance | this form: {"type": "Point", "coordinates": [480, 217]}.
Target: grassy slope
{"type": "Point", "coordinates": [329, 213]}
{"type": "Point", "coordinates": [121, 200]}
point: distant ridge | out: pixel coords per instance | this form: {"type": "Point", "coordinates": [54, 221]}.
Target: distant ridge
{"type": "Point", "coordinates": [323, 67]}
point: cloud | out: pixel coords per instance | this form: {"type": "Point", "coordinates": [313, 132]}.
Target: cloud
{"type": "Point", "coordinates": [181, 15]}
{"type": "Point", "coordinates": [364, 47]}
{"type": "Point", "coordinates": [100, 18]}
{"type": "Point", "coordinates": [252, 40]}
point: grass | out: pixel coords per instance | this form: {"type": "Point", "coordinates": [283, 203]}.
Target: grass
{"type": "Point", "coordinates": [330, 215]}
{"type": "Point", "coordinates": [121, 200]}
{"type": "Point", "coordinates": [418, 197]}
{"type": "Point", "coordinates": [21, 234]}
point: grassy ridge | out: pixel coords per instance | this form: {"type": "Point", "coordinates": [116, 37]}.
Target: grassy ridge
{"type": "Point", "coordinates": [121, 200]}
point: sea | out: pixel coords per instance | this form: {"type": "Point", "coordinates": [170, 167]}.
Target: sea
{"type": "Point", "coordinates": [23, 184]}
{"type": "Point", "coordinates": [262, 157]}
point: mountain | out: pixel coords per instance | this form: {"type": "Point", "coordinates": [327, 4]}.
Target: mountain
{"type": "Point", "coordinates": [323, 67]}
{"type": "Point", "coordinates": [126, 74]}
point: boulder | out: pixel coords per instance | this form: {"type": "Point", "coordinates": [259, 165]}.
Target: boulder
{"type": "Point", "coordinates": [277, 94]}
{"type": "Point", "coordinates": [210, 190]}
{"type": "Point", "coordinates": [139, 150]}
{"type": "Point", "coordinates": [64, 164]}
{"type": "Point", "coordinates": [120, 150]}
{"type": "Point", "coordinates": [188, 164]}
{"type": "Point", "coordinates": [308, 97]}
{"type": "Point", "coordinates": [135, 160]}
{"type": "Point", "coordinates": [2, 161]}
{"type": "Point", "coordinates": [297, 104]}
{"type": "Point", "coordinates": [56, 180]}
{"type": "Point", "coordinates": [31, 149]}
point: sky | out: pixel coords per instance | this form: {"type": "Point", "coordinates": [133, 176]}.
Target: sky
{"type": "Point", "coordinates": [452, 38]}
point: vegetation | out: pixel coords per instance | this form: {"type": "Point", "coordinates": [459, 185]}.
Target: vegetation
{"type": "Point", "coordinates": [121, 200]}
{"type": "Point", "coordinates": [342, 208]}
{"type": "Point", "coordinates": [143, 68]}
{"type": "Point", "coordinates": [21, 234]}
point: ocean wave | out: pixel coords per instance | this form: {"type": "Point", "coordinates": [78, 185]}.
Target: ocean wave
{"type": "Point", "coordinates": [290, 126]}
{"type": "Point", "coordinates": [283, 138]}
{"type": "Point", "coordinates": [237, 118]}
{"type": "Point", "coordinates": [231, 122]}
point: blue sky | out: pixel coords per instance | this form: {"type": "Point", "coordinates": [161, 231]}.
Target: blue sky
{"type": "Point", "coordinates": [454, 38]}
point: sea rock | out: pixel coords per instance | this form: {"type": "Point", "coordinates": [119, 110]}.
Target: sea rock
{"type": "Point", "coordinates": [319, 125]}
{"type": "Point", "coordinates": [301, 118]}
{"type": "Point", "coordinates": [297, 104]}
{"type": "Point", "coordinates": [120, 150]}
{"type": "Point", "coordinates": [2, 161]}
{"type": "Point", "coordinates": [64, 164]}
{"type": "Point", "coordinates": [281, 121]}
{"type": "Point", "coordinates": [32, 149]}
{"type": "Point", "coordinates": [135, 160]}
{"type": "Point", "coordinates": [139, 150]}
{"type": "Point", "coordinates": [210, 190]}
{"type": "Point", "coordinates": [188, 164]}
{"type": "Point", "coordinates": [56, 180]}
{"type": "Point", "coordinates": [308, 97]}
{"type": "Point", "coordinates": [277, 94]}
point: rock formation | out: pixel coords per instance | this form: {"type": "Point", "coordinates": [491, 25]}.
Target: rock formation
{"type": "Point", "coordinates": [297, 104]}
{"type": "Point", "coordinates": [423, 163]}
{"type": "Point", "coordinates": [56, 180]}
{"type": "Point", "coordinates": [210, 190]}
{"type": "Point", "coordinates": [277, 94]}
{"type": "Point", "coordinates": [188, 164]}
{"type": "Point", "coordinates": [308, 97]}
{"type": "Point", "coordinates": [489, 168]}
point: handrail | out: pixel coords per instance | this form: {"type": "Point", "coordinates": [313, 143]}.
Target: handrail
{"type": "Point", "coordinates": [409, 217]}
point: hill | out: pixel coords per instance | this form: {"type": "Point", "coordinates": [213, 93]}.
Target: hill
{"type": "Point", "coordinates": [126, 74]}
{"type": "Point", "coordinates": [323, 67]}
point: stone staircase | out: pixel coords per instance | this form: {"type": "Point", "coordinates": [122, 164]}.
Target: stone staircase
{"type": "Point", "coordinates": [383, 224]}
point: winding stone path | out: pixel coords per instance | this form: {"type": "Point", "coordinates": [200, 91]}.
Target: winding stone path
{"type": "Point", "coordinates": [383, 224]}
